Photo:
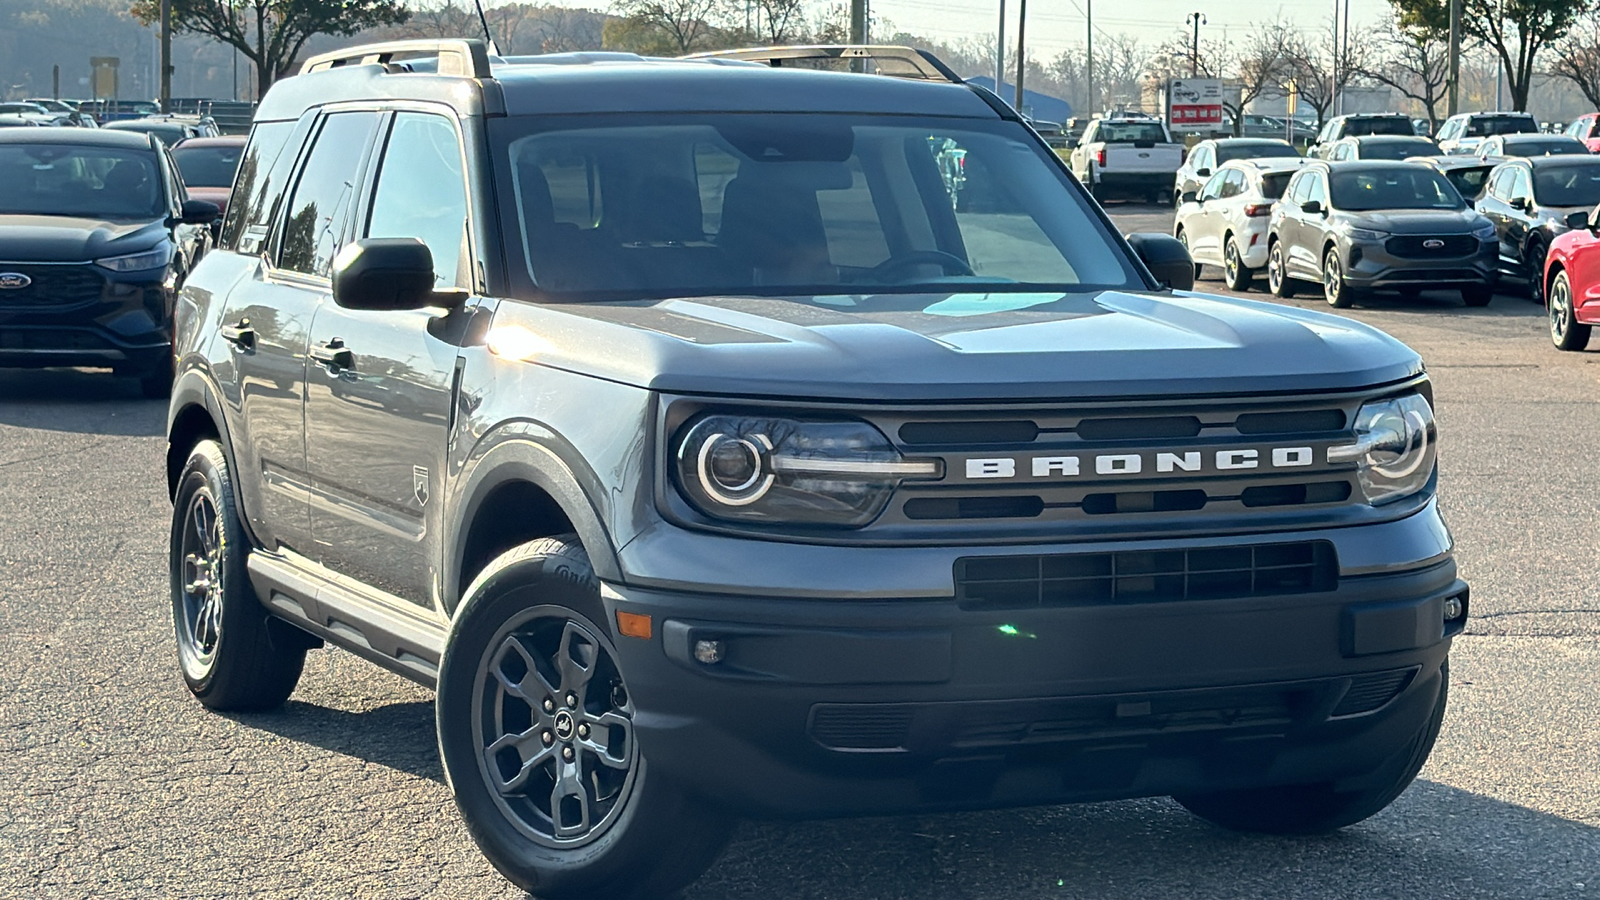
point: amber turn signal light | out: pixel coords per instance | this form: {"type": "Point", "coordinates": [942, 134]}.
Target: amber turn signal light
{"type": "Point", "coordinates": [635, 625]}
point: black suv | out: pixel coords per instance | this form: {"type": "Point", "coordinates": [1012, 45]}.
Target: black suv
{"type": "Point", "coordinates": [712, 462]}
{"type": "Point", "coordinates": [96, 236]}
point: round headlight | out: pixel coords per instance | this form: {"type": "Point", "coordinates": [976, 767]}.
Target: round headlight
{"type": "Point", "coordinates": [733, 469]}
{"type": "Point", "coordinates": [1395, 450]}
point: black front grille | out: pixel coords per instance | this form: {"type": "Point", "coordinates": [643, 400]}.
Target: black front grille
{"type": "Point", "coordinates": [1373, 690]}
{"type": "Point", "coordinates": [51, 286]}
{"type": "Point", "coordinates": [861, 726]}
{"type": "Point", "coordinates": [1415, 246]}
{"type": "Point", "coordinates": [1142, 576]}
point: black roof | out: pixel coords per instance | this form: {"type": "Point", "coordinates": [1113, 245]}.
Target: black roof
{"type": "Point", "coordinates": [1458, 161]}
{"type": "Point", "coordinates": [1253, 141]}
{"type": "Point", "coordinates": [94, 137]}
{"type": "Point", "coordinates": [1547, 162]}
{"type": "Point", "coordinates": [621, 83]}
{"type": "Point", "coordinates": [1386, 138]}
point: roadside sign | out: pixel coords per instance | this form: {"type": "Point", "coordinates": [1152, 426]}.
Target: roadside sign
{"type": "Point", "coordinates": [1194, 103]}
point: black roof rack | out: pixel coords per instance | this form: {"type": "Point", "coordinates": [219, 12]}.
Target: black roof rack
{"type": "Point", "coordinates": [457, 56]}
{"type": "Point", "coordinates": [898, 62]}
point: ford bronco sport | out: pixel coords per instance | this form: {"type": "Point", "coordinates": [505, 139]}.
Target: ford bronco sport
{"type": "Point", "coordinates": [671, 421]}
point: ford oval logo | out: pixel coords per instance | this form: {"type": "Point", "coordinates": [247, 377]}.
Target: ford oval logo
{"type": "Point", "coordinates": [14, 281]}
{"type": "Point", "coordinates": [1432, 244]}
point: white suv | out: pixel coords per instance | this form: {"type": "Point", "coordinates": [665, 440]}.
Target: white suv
{"type": "Point", "coordinates": [1225, 222]}
{"type": "Point", "coordinates": [1461, 134]}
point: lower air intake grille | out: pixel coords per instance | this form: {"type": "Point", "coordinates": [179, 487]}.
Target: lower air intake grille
{"type": "Point", "coordinates": [1371, 691]}
{"type": "Point", "coordinates": [1022, 582]}
{"type": "Point", "coordinates": [861, 726]}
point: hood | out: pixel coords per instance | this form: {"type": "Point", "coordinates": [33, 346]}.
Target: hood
{"type": "Point", "coordinates": [70, 239]}
{"type": "Point", "coordinates": [964, 347]}
{"type": "Point", "coordinates": [1417, 221]}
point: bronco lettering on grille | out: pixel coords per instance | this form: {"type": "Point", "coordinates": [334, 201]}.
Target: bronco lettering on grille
{"type": "Point", "coordinates": [1123, 465]}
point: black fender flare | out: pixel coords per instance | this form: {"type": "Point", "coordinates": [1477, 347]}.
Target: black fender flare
{"type": "Point", "coordinates": [193, 388]}
{"type": "Point", "coordinates": [534, 458]}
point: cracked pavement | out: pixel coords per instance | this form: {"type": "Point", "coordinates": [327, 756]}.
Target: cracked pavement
{"type": "Point", "coordinates": [115, 783]}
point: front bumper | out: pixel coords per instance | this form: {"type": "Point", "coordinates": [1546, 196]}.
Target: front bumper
{"type": "Point", "coordinates": [1369, 265]}
{"type": "Point", "coordinates": [81, 315]}
{"type": "Point", "coordinates": [830, 707]}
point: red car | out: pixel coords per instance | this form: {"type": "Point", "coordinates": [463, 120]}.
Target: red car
{"type": "Point", "coordinates": [1586, 128]}
{"type": "Point", "coordinates": [1572, 282]}
{"type": "Point", "coordinates": [208, 165]}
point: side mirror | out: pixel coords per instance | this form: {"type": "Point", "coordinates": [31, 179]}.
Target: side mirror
{"type": "Point", "coordinates": [1520, 203]}
{"type": "Point", "coordinates": [1579, 219]}
{"type": "Point", "coordinates": [1187, 197]}
{"type": "Point", "coordinates": [1203, 173]}
{"type": "Point", "coordinates": [1167, 259]}
{"type": "Point", "coordinates": [384, 274]}
{"type": "Point", "coordinates": [1312, 207]}
{"type": "Point", "coordinates": [1594, 220]}
{"type": "Point", "coordinates": [199, 212]}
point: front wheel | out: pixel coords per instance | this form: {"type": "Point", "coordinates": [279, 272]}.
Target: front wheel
{"type": "Point", "coordinates": [1566, 332]}
{"type": "Point", "coordinates": [536, 731]}
{"type": "Point", "coordinates": [1334, 288]}
{"type": "Point", "coordinates": [1537, 252]}
{"type": "Point", "coordinates": [1321, 808]}
{"type": "Point", "coordinates": [1183, 238]}
{"type": "Point", "coordinates": [1476, 295]}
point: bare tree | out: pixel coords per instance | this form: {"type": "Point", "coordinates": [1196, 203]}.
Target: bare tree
{"type": "Point", "coordinates": [1320, 69]}
{"type": "Point", "coordinates": [560, 29]}
{"type": "Point", "coordinates": [1577, 57]}
{"type": "Point", "coordinates": [1412, 61]}
{"type": "Point", "coordinates": [684, 26]}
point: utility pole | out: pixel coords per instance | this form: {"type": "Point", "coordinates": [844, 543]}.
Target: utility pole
{"type": "Point", "coordinates": [1022, 52]}
{"type": "Point", "coordinates": [1499, 70]}
{"type": "Point", "coordinates": [1089, 66]}
{"type": "Point", "coordinates": [1344, 54]}
{"type": "Point", "coordinates": [1454, 95]}
{"type": "Point", "coordinates": [1195, 19]}
{"type": "Point", "coordinates": [166, 56]}
{"type": "Point", "coordinates": [1000, 52]}
{"type": "Point", "coordinates": [858, 31]}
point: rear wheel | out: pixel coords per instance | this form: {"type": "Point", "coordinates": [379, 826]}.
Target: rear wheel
{"type": "Point", "coordinates": [1320, 808]}
{"type": "Point", "coordinates": [1237, 275]}
{"type": "Point", "coordinates": [1477, 295]}
{"type": "Point", "coordinates": [1278, 279]}
{"type": "Point", "coordinates": [1334, 288]}
{"type": "Point", "coordinates": [536, 730]}
{"type": "Point", "coordinates": [1183, 238]}
{"type": "Point", "coordinates": [1566, 332]}
{"type": "Point", "coordinates": [1535, 256]}
{"type": "Point", "coordinates": [226, 649]}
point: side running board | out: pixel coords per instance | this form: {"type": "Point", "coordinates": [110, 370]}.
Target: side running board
{"type": "Point", "coordinates": [397, 635]}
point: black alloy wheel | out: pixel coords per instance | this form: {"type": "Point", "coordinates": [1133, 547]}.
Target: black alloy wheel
{"type": "Point", "coordinates": [1566, 332]}
{"type": "Point", "coordinates": [537, 734]}
{"type": "Point", "coordinates": [1536, 254]}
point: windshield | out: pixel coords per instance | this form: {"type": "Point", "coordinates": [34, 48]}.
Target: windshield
{"type": "Point", "coordinates": [67, 180]}
{"type": "Point", "coordinates": [1546, 147]}
{"type": "Point", "coordinates": [1409, 187]}
{"type": "Point", "coordinates": [208, 166]}
{"type": "Point", "coordinates": [1469, 182]}
{"type": "Point", "coordinates": [796, 204]}
{"type": "Point", "coordinates": [1132, 132]}
{"type": "Point", "coordinates": [1226, 152]}
{"type": "Point", "coordinates": [1398, 150]}
{"type": "Point", "coordinates": [1483, 126]}
{"type": "Point", "coordinates": [1567, 185]}
{"type": "Point", "coordinates": [1386, 125]}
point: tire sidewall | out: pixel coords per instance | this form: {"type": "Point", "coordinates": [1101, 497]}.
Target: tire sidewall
{"type": "Point", "coordinates": [207, 470]}
{"type": "Point", "coordinates": [561, 579]}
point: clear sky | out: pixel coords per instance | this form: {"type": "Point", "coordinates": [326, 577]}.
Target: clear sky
{"type": "Point", "coordinates": [1054, 25]}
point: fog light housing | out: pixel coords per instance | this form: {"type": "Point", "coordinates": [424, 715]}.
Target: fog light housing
{"type": "Point", "coordinates": [1454, 608]}
{"type": "Point", "coordinates": [709, 652]}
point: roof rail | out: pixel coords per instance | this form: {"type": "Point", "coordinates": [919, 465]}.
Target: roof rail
{"type": "Point", "coordinates": [898, 62]}
{"type": "Point", "coordinates": [457, 56]}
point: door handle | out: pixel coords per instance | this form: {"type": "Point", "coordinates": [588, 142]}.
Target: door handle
{"type": "Point", "coordinates": [334, 354]}
{"type": "Point", "coordinates": [241, 335]}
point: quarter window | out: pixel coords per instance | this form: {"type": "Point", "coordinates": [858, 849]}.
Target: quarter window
{"type": "Point", "coordinates": [259, 186]}
{"type": "Point", "coordinates": [422, 192]}
{"type": "Point", "coordinates": [319, 212]}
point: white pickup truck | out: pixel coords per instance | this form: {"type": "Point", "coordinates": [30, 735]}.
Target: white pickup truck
{"type": "Point", "coordinates": [1127, 156]}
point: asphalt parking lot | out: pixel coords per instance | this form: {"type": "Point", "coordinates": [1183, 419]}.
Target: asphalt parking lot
{"type": "Point", "coordinates": [115, 783]}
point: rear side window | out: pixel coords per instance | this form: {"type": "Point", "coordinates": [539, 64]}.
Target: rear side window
{"type": "Point", "coordinates": [259, 186]}
{"type": "Point", "coordinates": [1397, 125]}
{"type": "Point", "coordinates": [1132, 132]}
{"type": "Point", "coordinates": [1272, 185]}
{"type": "Point", "coordinates": [315, 227]}
{"type": "Point", "coordinates": [1482, 126]}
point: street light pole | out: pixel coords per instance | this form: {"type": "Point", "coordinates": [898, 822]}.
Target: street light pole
{"type": "Point", "coordinates": [166, 56]}
{"type": "Point", "coordinates": [1022, 53]}
{"type": "Point", "coordinates": [1195, 19]}
{"type": "Point", "coordinates": [1089, 66]}
{"type": "Point", "coordinates": [1454, 95]}
{"type": "Point", "coordinates": [1499, 70]}
{"type": "Point", "coordinates": [1000, 51]}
